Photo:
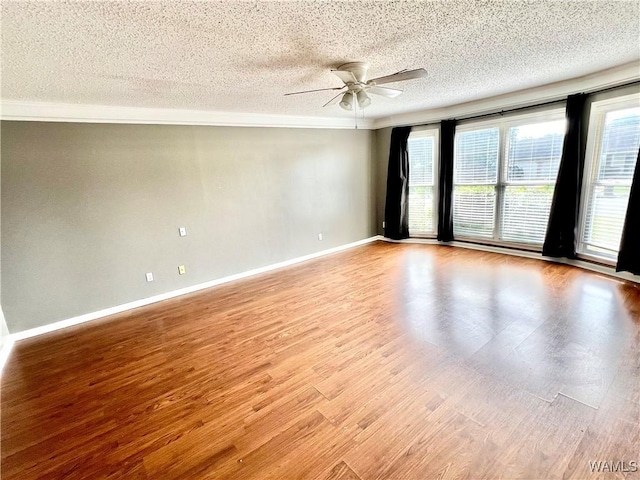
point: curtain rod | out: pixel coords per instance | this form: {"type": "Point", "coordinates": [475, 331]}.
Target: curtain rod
{"type": "Point", "coordinates": [510, 110]}
{"type": "Point", "coordinates": [550, 102]}
{"type": "Point", "coordinates": [526, 107]}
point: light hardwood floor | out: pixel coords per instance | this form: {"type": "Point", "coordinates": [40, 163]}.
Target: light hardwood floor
{"type": "Point", "coordinates": [384, 361]}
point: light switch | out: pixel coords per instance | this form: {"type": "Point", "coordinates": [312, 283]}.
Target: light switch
{"type": "Point", "coordinates": [183, 231]}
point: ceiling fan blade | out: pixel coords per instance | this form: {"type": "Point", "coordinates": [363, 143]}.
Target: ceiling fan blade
{"type": "Point", "coordinates": [384, 91]}
{"type": "Point", "coordinates": [333, 101]}
{"type": "Point", "coordinates": [345, 76]}
{"type": "Point", "coordinates": [399, 77]}
{"type": "Point", "coordinates": [317, 90]}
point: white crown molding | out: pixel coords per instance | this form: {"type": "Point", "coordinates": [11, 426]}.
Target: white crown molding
{"type": "Point", "coordinates": [554, 91]}
{"type": "Point", "coordinates": [14, 337]}
{"type": "Point", "coordinates": [80, 113]}
{"type": "Point", "coordinates": [84, 113]}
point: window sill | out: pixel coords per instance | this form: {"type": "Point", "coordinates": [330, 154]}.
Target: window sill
{"type": "Point", "coordinates": [524, 247]}
{"type": "Point", "coordinates": [422, 235]}
{"type": "Point", "coordinates": [597, 260]}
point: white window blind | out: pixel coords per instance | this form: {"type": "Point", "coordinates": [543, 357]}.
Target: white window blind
{"type": "Point", "coordinates": [504, 178]}
{"type": "Point", "coordinates": [615, 128]}
{"type": "Point", "coordinates": [532, 162]}
{"type": "Point", "coordinates": [475, 179]}
{"type": "Point", "coordinates": [422, 205]}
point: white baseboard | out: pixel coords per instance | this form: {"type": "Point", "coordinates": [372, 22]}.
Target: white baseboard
{"type": "Point", "coordinates": [5, 351]}
{"type": "Point", "coordinates": [594, 267]}
{"type": "Point", "coordinates": [176, 293]}
{"type": "Point", "coordinates": [6, 342]}
{"type": "Point", "coordinates": [14, 337]}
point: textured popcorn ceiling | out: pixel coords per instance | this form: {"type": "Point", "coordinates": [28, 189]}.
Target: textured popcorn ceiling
{"type": "Point", "coordinates": [243, 56]}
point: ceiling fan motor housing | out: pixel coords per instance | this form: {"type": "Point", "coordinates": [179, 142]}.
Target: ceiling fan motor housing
{"type": "Point", "coordinates": [359, 70]}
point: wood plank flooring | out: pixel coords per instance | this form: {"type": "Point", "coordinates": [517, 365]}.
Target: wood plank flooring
{"type": "Point", "coordinates": [385, 361]}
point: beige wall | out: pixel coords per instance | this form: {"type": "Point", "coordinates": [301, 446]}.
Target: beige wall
{"type": "Point", "coordinates": [88, 209]}
{"type": "Point", "coordinates": [381, 154]}
{"type": "Point", "coordinates": [4, 331]}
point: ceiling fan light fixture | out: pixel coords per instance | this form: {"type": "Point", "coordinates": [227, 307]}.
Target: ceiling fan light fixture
{"type": "Point", "coordinates": [363, 99]}
{"type": "Point", "coordinates": [347, 101]}
{"type": "Point", "coordinates": [356, 87]}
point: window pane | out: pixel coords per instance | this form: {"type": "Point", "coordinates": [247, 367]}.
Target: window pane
{"type": "Point", "coordinates": [473, 210]}
{"type": "Point", "coordinates": [534, 152]}
{"type": "Point", "coordinates": [421, 161]}
{"type": "Point", "coordinates": [525, 213]}
{"type": "Point", "coordinates": [421, 201]}
{"type": "Point", "coordinates": [421, 209]}
{"type": "Point", "coordinates": [610, 181]}
{"type": "Point", "coordinates": [619, 145]}
{"type": "Point", "coordinates": [605, 217]}
{"type": "Point", "coordinates": [476, 156]}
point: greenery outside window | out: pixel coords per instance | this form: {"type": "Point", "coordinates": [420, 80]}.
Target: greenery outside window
{"type": "Point", "coordinates": [423, 148]}
{"type": "Point", "coordinates": [612, 152]}
{"type": "Point", "coordinates": [504, 177]}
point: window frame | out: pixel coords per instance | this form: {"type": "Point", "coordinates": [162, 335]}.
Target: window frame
{"type": "Point", "coordinates": [421, 132]}
{"type": "Point", "coordinates": [503, 125]}
{"type": "Point", "coordinates": [599, 110]}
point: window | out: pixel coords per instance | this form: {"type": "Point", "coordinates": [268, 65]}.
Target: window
{"type": "Point", "coordinates": [504, 176]}
{"type": "Point", "coordinates": [422, 174]}
{"type": "Point", "coordinates": [614, 139]}
{"type": "Point", "coordinates": [475, 179]}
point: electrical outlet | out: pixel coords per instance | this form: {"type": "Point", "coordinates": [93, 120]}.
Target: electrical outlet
{"type": "Point", "coordinates": [182, 231]}
{"type": "Point", "coordinates": [319, 236]}
{"type": "Point", "coordinates": [149, 277]}
{"type": "Point", "coordinates": [181, 269]}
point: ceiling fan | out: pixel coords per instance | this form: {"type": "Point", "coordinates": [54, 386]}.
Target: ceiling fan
{"type": "Point", "coordinates": [356, 86]}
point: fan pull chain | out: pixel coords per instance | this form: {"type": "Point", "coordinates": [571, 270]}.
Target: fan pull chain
{"type": "Point", "coordinates": [355, 111]}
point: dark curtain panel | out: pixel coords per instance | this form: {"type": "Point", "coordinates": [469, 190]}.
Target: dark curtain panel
{"type": "Point", "coordinates": [445, 182]}
{"type": "Point", "coordinates": [396, 209]}
{"type": "Point", "coordinates": [561, 239]}
{"type": "Point", "coordinates": [629, 255]}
